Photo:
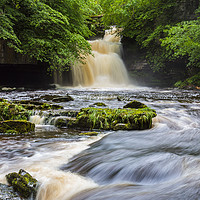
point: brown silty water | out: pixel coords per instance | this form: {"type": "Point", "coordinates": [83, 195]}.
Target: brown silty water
{"type": "Point", "coordinates": [104, 68]}
{"type": "Point", "coordinates": [162, 163]}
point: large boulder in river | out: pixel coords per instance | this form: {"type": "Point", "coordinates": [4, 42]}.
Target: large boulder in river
{"type": "Point", "coordinates": [16, 126]}
{"type": "Point", "coordinates": [23, 183]}
{"type": "Point", "coordinates": [114, 119]}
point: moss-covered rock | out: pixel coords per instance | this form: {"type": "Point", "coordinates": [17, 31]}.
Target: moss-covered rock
{"type": "Point", "coordinates": [121, 126]}
{"type": "Point", "coordinates": [100, 104]}
{"type": "Point", "coordinates": [89, 133]}
{"type": "Point", "coordinates": [61, 122]}
{"type": "Point", "coordinates": [135, 104]}
{"type": "Point", "coordinates": [16, 126]}
{"type": "Point", "coordinates": [36, 105]}
{"type": "Point", "coordinates": [63, 99]}
{"type": "Point", "coordinates": [23, 183]}
{"type": "Point", "coordinates": [105, 118]}
{"type": "Point", "coordinates": [49, 97]}
{"type": "Point", "coordinates": [11, 111]}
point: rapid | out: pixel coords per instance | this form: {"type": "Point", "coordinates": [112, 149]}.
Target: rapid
{"type": "Point", "coordinates": [161, 163]}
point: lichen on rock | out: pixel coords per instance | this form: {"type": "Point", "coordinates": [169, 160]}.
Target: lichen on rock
{"type": "Point", "coordinates": [23, 183]}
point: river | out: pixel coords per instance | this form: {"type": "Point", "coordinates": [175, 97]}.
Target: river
{"type": "Point", "coordinates": [161, 163]}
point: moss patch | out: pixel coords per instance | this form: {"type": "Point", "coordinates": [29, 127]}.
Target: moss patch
{"type": "Point", "coordinates": [89, 133]}
{"type": "Point", "coordinates": [36, 105]}
{"type": "Point", "coordinates": [135, 104]}
{"type": "Point", "coordinates": [23, 183]}
{"type": "Point", "coordinates": [99, 104]}
{"type": "Point", "coordinates": [16, 126]}
{"type": "Point", "coordinates": [63, 99]}
{"type": "Point", "coordinates": [11, 111]}
{"type": "Point", "coordinates": [107, 119]}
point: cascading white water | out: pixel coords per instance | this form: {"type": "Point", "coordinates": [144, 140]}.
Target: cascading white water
{"type": "Point", "coordinates": [105, 67]}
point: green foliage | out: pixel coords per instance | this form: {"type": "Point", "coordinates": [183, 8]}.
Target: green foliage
{"type": "Point", "coordinates": [183, 40]}
{"type": "Point", "coordinates": [144, 20]}
{"type": "Point", "coordinates": [152, 22]}
{"type": "Point", "coordinates": [50, 31]}
{"type": "Point", "coordinates": [190, 83]}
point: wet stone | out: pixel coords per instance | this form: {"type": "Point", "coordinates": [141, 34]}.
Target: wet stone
{"type": "Point", "coordinates": [135, 104]}
{"type": "Point", "coordinates": [121, 126]}
{"type": "Point", "coordinates": [16, 127]}
{"type": "Point", "coordinates": [6, 192]}
{"type": "Point", "coordinates": [100, 104]}
{"type": "Point", "coordinates": [23, 183]}
{"type": "Point", "coordinates": [63, 99]}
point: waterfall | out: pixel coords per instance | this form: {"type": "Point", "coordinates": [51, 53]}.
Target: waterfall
{"type": "Point", "coordinates": [104, 68]}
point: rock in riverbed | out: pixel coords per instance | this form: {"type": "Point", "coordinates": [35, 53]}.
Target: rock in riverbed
{"type": "Point", "coordinates": [23, 183]}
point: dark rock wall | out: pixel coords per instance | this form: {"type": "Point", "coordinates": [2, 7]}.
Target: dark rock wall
{"type": "Point", "coordinates": [17, 70]}
{"type": "Point", "coordinates": [25, 75]}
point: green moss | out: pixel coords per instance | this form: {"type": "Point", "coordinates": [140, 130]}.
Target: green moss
{"type": "Point", "coordinates": [16, 126]}
{"type": "Point", "coordinates": [11, 111]}
{"type": "Point", "coordinates": [89, 133]}
{"type": "Point", "coordinates": [23, 183]}
{"type": "Point", "coordinates": [99, 104]}
{"type": "Point", "coordinates": [36, 105]}
{"type": "Point", "coordinates": [61, 122]}
{"type": "Point", "coordinates": [105, 118]}
{"type": "Point", "coordinates": [135, 104]}
{"type": "Point", "coordinates": [121, 126]}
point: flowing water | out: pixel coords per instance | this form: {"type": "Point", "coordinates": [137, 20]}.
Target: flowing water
{"type": "Point", "coordinates": [161, 163]}
{"type": "Point", "coordinates": [104, 68]}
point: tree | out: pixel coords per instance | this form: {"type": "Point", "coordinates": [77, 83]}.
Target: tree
{"type": "Point", "coordinates": [147, 20]}
{"type": "Point", "coordinates": [51, 31]}
{"type": "Point", "coordinates": [183, 40]}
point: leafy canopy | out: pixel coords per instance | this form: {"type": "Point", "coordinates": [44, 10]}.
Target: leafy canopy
{"type": "Point", "coordinates": [51, 31]}
{"type": "Point", "coordinates": [182, 40]}
{"type": "Point", "coordinates": [157, 27]}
